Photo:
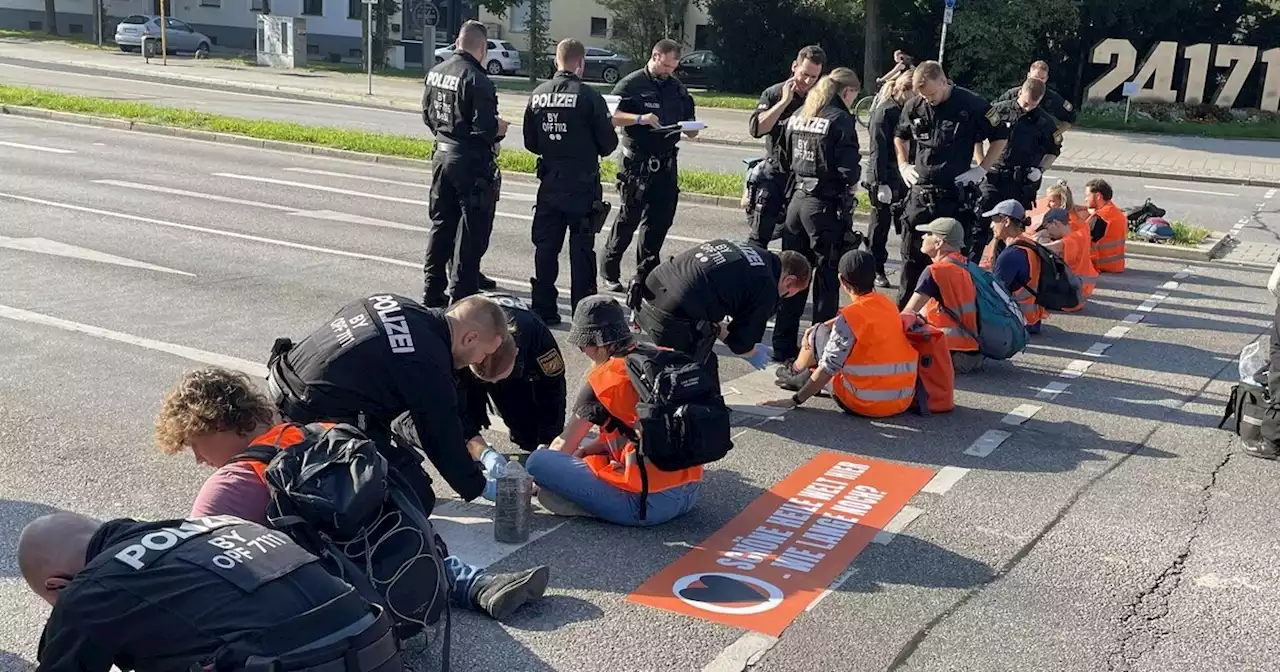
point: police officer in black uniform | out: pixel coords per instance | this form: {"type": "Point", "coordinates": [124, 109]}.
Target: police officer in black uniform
{"type": "Point", "coordinates": [884, 183]}
{"type": "Point", "coordinates": [531, 399]}
{"type": "Point", "coordinates": [687, 298]}
{"type": "Point", "coordinates": [567, 124]}
{"type": "Point", "coordinates": [460, 106]}
{"type": "Point", "coordinates": [944, 124]}
{"type": "Point", "coordinates": [1061, 109]}
{"type": "Point", "coordinates": [385, 355]}
{"type": "Point", "coordinates": [767, 179]}
{"type": "Point", "coordinates": [821, 148]}
{"type": "Point", "coordinates": [1033, 145]}
{"type": "Point", "coordinates": [647, 180]}
{"type": "Point", "coordinates": [206, 593]}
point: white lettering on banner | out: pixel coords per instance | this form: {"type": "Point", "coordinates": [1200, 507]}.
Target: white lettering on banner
{"type": "Point", "coordinates": [395, 325]}
{"type": "Point", "coordinates": [1155, 76]}
{"type": "Point", "coordinates": [443, 81]}
{"type": "Point", "coordinates": [135, 555]}
{"type": "Point", "coordinates": [541, 100]}
{"type": "Point", "coordinates": [753, 549]}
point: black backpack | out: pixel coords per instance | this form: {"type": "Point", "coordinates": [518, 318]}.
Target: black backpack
{"type": "Point", "coordinates": [335, 495]}
{"type": "Point", "coordinates": [681, 420]}
{"type": "Point", "coordinates": [1138, 215]}
{"type": "Point", "coordinates": [1059, 287]}
{"type": "Point", "coordinates": [1257, 415]}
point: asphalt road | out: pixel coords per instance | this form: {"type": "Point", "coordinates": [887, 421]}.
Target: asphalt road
{"type": "Point", "coordinates": [1114, 529]}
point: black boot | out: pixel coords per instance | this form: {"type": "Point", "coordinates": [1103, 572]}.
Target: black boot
{"type": "Point", "coordinates": [544, 302]}
{"type": "Point", "coordinates": [499, 595]}
{"type": "Point", "coordinates": [487, 284]}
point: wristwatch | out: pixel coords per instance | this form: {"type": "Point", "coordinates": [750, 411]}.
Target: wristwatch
{"type": "Point", "coordinates": [795, 399]}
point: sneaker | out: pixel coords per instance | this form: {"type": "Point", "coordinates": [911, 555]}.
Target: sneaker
{"type": "Point", "coordinates": [560, 506]}
{"type": "Point", "coordinates": [882, 280]}
{"type": "Point", "coordinates": [486, 283]}
{"type": "Point", "coordinates": [794, 381]}
{"type": "Point", "coordinates": [499, 595]}
{"type": "Point", "coordinates": [1263, 449]}
{"type": "Point", "coordinates": [613, 286]}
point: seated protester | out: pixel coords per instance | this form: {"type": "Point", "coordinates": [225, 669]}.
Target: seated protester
{"type": "Point", "coordinates": [602, 479]}
{"type": "Point", "coordinates": [1017, 267]}
{"type": "Point", "coordinates": [164, 596]}
{"type": "Point", "coordinates": [1059, 196]}
{"type": "Point", "coordinates": [1109, 227]}
{"type": "Point", "coordinates": [687, 298]}
{"type": "Point", "coordinates": [863, 352]}
{"type": "Point", "coordinates": [945, 292]}
{"type": "Point", "coordinates": [1055, 233]}
{"type": "Point", "coordinates": [219, 414]}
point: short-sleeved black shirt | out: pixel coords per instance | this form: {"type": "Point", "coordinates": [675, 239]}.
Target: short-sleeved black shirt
{"type": "Point", "coordinates": [944, 135]}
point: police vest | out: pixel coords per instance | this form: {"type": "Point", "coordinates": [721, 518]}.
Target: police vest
{"type": "Point", "coordinates": [879, 376]}
{"type": "Point", "coordinates": [960, 297]}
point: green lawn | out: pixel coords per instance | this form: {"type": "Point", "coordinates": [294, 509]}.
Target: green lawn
{"type": "Point", "coordinates": [1247, 130]}
{"type": "Point", "coordinates": [1184, 234]}
{"type": "Point", "coordinates": [85, 41]}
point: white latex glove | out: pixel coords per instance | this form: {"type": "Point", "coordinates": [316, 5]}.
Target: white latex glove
{"type": "Point", "coordinates": [884, 194]}
{"type": "Point", "coordinates": [1034, 175]}
{"type": "Point", "coordinates": [972, 176]}
{"type": "Point", "coordinates": [909, 174]}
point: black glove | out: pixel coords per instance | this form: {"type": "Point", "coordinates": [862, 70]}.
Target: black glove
{"type": "Point", "coordinates": [635, 294]}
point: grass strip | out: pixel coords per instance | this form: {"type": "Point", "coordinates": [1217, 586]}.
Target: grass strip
{"type": "Point", "coordinates": [517, 161]}
{"type": "Point", "coordinates": [1249, 130]}
{"type": "Point", "coordinates": [1184, 234]}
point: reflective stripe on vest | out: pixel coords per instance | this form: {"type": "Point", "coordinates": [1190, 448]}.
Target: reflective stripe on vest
{"type": "Point", "coordinates": [880, 369]}
{"type": "Point", "coordinates": [878, 378]}
{"type": "Point", "coordinates": [879, 395]}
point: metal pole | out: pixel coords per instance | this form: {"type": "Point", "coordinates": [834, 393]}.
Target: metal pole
{"type": "Point", "coordinates": [369, 60]}
{"type": "Point", "coordinates": [942, 47]}
{"type": "Point", "coordinates": [164, 45]}
{"type": "Point", "coordinates": [1128, 105]}
{"type": "Point", "coordinates": [97, 20]}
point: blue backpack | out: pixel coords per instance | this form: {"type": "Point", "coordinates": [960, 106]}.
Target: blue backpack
{"type": "Point", "coordinates": [1002, 331]}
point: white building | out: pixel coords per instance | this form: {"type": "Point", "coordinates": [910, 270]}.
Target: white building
{"type": "Point", "coordinates": [585, 20]}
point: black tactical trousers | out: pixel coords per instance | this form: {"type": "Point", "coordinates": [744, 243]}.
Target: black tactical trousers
{"type": "Point", "coordinates": [925, 203]}
{"type": "Point", "coordinates": [532, 406]}
{"type": "Point", "coordinates": [812, 229]}
{"type": "Point", "coordinates": [558, 211]}
{"type": "Point", "coordinates": [652, 212]}
{"type": "Point", "coordinates": [692, 337]}
{"type": "Point", "coordinates": [769, 211]}
{"type": "Point", "coordinates": [995, 188]}
{"type": "Point", "coordinates": [463, 201]}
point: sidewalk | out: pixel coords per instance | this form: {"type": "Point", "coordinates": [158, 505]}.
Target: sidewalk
{"type": "Point", "coordinates": [1171, 157]}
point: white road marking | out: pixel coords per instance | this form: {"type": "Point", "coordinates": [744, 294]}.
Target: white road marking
{"type": "Point", "coordinates": [1097, 349]}
{"type": "Point", "coordinates": [348, 218]}
{"type": "Point", "coordinates": [1269, 194]}
{"type": "Point", "coordinates": [1076, 368]}
{"type": "Point", "coordinates": [744, 652]}
{"type": "Point", "coordinates": [1188, 191]}
{"type": "Point", "coordinates": [414, 185]}
{"type": "Point", "coordinates": [1133, 318]}
{"type": "Point", "coordinates": [944, 480]}
{"type": "Point", "coordinates": [987, 443]}
{"type": "Point", "coordinates": [57, 249]}
{"type": "Point", "coordinates": [469, 528]}
{"type": "Point", "coordinates": [257, 369]}
{"type": "Point", "coordinates": [1148, 305]}
{"type": "Point", "coordinates": [1117, 332]}
{"type": "Point", "coordinates": [897, 525]}
{"type": "Point", "coordinates": [1180, 275]}
{"type": "Point", "coordinates": [1020, 414]}
{"type": "Point", "coordinates": [1172, 284]}
{"type": "Point", "coordinates": [835, 585]}
{"type": "Point", "coordinates": [1052, 390]}
{"type": "Point", "coordinates": [37, 148]}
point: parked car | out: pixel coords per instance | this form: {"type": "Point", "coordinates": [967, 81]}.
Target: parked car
{"type": "Point", "coordinates": [178, 36]}
{"type": "Point", "coordinates": [503, 59]}
{"type": "Point", "coordinates": [699, 68]}
{"type": "Point", "coordinates": [605, 65]}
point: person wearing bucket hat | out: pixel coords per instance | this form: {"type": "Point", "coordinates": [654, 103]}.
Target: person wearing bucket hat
{"type": "Point", "coordinates": [603, 477]}
{"type": "Point", "coordinates": [945, 295]}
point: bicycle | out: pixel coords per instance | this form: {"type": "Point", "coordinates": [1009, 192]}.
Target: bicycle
{"type": "Point", "coordinates": [862, 109]}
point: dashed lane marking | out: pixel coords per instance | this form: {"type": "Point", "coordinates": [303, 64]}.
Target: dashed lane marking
{"type": "Point", "coordinates": [1117, 332]}
{"type": "Point", "coordinates": [1187, 191]}
{"type": "Point", "coordinates": [1052, 390]}
{"type": "Point", "coordinates": [37, 148]}
{"type": "Point", "coordinates": [1076, 368]}
{"type": "Point", "coordinates": [1097, 349]}
{"type": "Point", "coordinates": [897, 525]}
{"type": "Point", "coordinates": [1133, 318]}
{"type": "Point", "coordinates": [1020, 414]}
{"type": "Point", "coordinates": [514, 195]}
{"type": "Point", "coordinates": [988, 442]}
{"type": "Point", "coordinates": [944, 480]}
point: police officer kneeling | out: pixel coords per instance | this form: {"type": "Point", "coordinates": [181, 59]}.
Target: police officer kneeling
{"type": "Point", "coordinates": [216, 593]}
{"type": "Point", "coordinates": [687, 298]}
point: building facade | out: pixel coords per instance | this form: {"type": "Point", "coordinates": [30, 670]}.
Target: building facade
{"type": "Point", "coordinates": [585, 20]}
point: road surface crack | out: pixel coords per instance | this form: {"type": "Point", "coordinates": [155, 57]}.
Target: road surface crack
{"type": "Point", "coordinates": [1142, 624]}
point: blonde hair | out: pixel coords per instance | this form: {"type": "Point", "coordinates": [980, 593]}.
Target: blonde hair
{"type": "Point", "coordinates": [827, 88]}
{"type": "Point", "coordinates": [1061, 190]}
{"type": "Point", "coordinates": [209, 400]}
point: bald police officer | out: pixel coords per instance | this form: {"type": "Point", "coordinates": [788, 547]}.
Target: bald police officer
{"type": "Point", "coordinates": [567, 124]}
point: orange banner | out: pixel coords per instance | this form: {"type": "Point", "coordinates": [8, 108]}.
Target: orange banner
{"type": "Point", "coordinates": [765, 566]}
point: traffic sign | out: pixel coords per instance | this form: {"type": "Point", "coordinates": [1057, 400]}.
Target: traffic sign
{"type": "Point", "coordinates": [951, 4]}
{"type": "Point", "coordinates": [430, 15]}
{"type": "Point", "coordinates": [947, 15]}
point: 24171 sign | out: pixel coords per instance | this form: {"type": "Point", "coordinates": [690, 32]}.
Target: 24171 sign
{"type": "Point", "coordinates": [1155, 77]}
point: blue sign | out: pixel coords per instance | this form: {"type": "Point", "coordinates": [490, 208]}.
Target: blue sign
{"type": "Point", "coordinates": [951, 4]}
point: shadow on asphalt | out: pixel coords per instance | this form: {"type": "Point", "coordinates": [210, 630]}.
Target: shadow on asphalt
{"type": "Point", "coordinates": [12, 662]}
{"type": "Point", "coordinates": [14, 515]}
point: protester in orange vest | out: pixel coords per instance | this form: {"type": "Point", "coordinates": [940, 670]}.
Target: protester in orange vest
{"type": "Point", "coordinates": [1017, 266]}
{"type": "Point", "coordinates": [945, 292]}
{"type": "Point", "coordinates": [863, 352]}
{"type": "Point", "coordinates": [1055, 233]}
{"type": "Point", "coordinates": [1109, 227]}
{"type": "Point", "coordinates": [1059, 196]}
{"type": "Point", "coordinates": [602, 478]}
{"type": "Point", "coordinates": [218, 414]}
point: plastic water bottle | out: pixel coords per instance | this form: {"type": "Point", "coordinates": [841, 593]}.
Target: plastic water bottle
{"type": "Point", "coordinates": [514, 511]}
{"type": "Point", "coordinates": [1253, 359]}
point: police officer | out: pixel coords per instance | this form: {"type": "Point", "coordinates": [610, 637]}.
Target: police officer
{"type": "Point", "coordinates": [206, 593]}
{"type": "Point", "coordinates": [531, 399]}
{"type": "Point", "coordinates": [884, 183]}
{"type": "Point", "coordinates": [1061, 109]}
{"type": "Point", "coordinates": [647, 180]}
{"type": "Point", "coordinates": [821, 149]}
{"type": "Point", "coordinates": [944, 125]}
{"type": "Point", "coordinates": [567, 124]}
{"type": "Point", "coordinates": [767, 180]}
{"type": "Point", "coordinates": [460, 106]}
{"type": "Point", "coordinates": [687, 298]}
{"type": "Point", "coordinates": [1032, 147]}
{"type": "Point", "coordinates": [382, 356]}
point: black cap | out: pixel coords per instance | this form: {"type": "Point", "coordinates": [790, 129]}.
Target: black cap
{"type": "Point", "coordinates": [858, 268]}
{"type": "Point", "coordinates": [598, 320]}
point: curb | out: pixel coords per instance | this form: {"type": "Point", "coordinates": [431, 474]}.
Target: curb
{"type": "Point", "coordinates": [1164, 175]}
{"type": "Point", "coordinates": [290, 147]}
{"type": "Point", "coordinates": [1206, 251]}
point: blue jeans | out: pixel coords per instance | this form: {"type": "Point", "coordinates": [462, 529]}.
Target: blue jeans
{"type": "Point", "coordinates": [462, 578]}
{"type": "Point", "coordinates": [572, 478]}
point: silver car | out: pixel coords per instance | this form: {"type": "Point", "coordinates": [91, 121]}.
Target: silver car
{"type": "Point", "coordinates": [503, 58]}
{"type": "Point", "coordinates": [178, 36]}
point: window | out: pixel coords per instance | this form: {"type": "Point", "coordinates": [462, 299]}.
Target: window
{"type": "Point", "coordinates": [210, 3]}
{"type": "Point", "coordinates": [355, 9]}
{"type": "Point", "coordinates": [313, 7]}
{"type": "Point", "coordinates": [599, 27]}
{"type": "Point", "coordinates": [520, 17]}
{"type": "Point", "coordinates": [76, 28]}
{"type": "Point", "coordinates": [313, 50]}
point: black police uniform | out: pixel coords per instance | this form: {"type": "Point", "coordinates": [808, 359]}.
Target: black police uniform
{"type": "Point", "coordinates": [1032, 136]}
{"type": "Point", "coordinates": [460, 106]}
{"type": "Point", "coordinates": [647, 178]}
{"type": "Point", "coordinates": [687, 296]}
{"type": "Point", "coordinates": [375, 360]}
{"type": "Point", "coordinates": [767, 186]}
{"type": "Point", "coordinates": [1061, 109]}
{"type": "Point", "coordinates": [882, 169]}
{"type": "Point", "coordinates": [944, 137]}
{"type": "Point", "coordinates": [567, 124]}
{"type": "Point", "coordinates": [179, 595]}
{"type": "Point", "coordinates": [822, 153]}
{"type": "Point", "coordinates": [531, 400]}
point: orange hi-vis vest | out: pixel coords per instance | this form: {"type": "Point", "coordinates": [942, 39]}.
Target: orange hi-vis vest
{"type": "Point", "coordinates": [879, 376]}
{"type": "Point", "coordinates": [1032, 312]}
{"type": "Point", "coordinates": [281, 437]}
{"type": "Point", "coordinates": [619, 468]}
{"type": "Point", "coordinates": [1075, 251]}
{"type": "Point", "coordinates": [960, 296]}
{"type": "Point", "coordinates": [1110, 249]}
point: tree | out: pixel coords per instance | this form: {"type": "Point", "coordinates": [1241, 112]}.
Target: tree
{"type": "Point", "coordinates": [538, 26]}
{"type": "Point", "coordinates": [991, 42]}
{"type": "Point", "coordinates": [873, 44]}
{"type": "Point", "coordinates": [760, 38]}
{"type": "Point", "coordinates": [50, 17]}
{"type": "Point", "coordinates": [639, 24]}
